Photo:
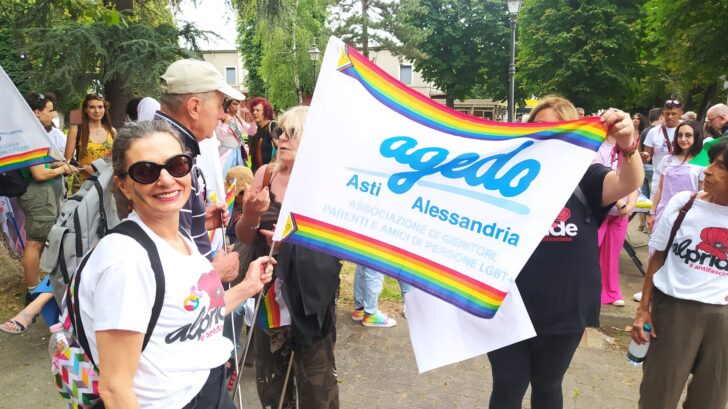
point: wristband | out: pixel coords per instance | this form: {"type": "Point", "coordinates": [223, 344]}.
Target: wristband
{"type": "Point", "coordinates": [631, 149]}
{"type": "Point", "coordinates": [256, 227]}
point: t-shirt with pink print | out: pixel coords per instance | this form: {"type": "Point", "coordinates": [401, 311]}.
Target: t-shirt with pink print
{"type": "Point", "coordinates": [117, 292]}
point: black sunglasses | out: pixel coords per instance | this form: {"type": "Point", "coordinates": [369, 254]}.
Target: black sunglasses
{"type": "Point", "coordinates": [280, 131]}
{"type": "Point", "coordinates": [148, 172]}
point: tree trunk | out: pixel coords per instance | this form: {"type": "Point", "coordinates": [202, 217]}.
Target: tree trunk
{"type": "Point", "coordinates": [118, 93]}
{"type": "Point", "coordinates": [708, 96]}
{"type": "Point", "coordinates": [449, 101]}
{"type": "Point", "coordinates": [365, 27]}
{"type": "Point", "coordinates": [688, 106]}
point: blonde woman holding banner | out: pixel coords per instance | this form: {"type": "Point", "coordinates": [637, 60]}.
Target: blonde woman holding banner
{"type": "Point", "coordinates": [561, 282]}
{"type": "Point", "coordinates": [296, 326]}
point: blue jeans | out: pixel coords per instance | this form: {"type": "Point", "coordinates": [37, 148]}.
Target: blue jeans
{"type": "Point", "coordinates": [367, 287]}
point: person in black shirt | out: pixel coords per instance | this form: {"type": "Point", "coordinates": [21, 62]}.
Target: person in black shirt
{"type": "Point", "coordinates": [262, 144]}
{"type": "Point", "coordinates": [561, 282]}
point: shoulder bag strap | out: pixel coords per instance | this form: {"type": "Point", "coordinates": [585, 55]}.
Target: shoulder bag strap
{"type": "Point", "coordinates": [267, 176]}
{"type": "Point", "coordinates": [679, 220]}
{"type": "Point", "coordinates": [582, 199]}
{"type": "Point", "coordinates": [667, 139]}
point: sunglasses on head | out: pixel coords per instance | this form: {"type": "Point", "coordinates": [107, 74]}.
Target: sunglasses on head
{"type": "Point", "coordinates": [280, 131]}
{"type": "Point", "coordinates": [148, 172]}
{"type": "Point", "coordinates": [672, 103]}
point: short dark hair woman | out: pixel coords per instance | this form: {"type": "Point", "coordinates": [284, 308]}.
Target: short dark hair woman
{"type": "Point", "coordinates": [685, 297]}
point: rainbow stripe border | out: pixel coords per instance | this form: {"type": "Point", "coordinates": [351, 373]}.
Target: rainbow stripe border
{"type": "Point", "coordinates": [443, 282]}
{"type": "Point", "coordinates": [25, 159]}
{"type": "Point", "coordinates": [587, 133]}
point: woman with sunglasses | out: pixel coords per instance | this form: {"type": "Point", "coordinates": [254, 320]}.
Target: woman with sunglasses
{"type": "Point", "coordinates": [93, 137]}
{"type": "Point", "coordinates": [181, 366]}
{"type": "Point", "coordinates": [302, 297]}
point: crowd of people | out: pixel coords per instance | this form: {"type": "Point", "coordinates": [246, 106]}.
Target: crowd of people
{"type": "Point", "coordinates": [188, 357]}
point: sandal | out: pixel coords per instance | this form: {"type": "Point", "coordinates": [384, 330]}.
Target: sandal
{"type": "Point", "coordinates": [13, 327]}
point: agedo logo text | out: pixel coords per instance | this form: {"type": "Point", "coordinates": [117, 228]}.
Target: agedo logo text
{"type": "Point", "coordinates": [431, 160]}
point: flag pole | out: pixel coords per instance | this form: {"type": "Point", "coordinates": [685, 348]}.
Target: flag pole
{"type": "Point", "coordinates": [252, 328]}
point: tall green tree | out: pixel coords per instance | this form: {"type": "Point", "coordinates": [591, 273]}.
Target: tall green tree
{"type": "Point", "coordinates": [117, 47]}
{"type": "Point", "coordinates": [585, 50]}
{"type": "Point", "coordinates": [689, 39]}
{"type": "Point", "coordinates": [285, 30]}
{"type": "Point", "coordinates": [362, 23]}
{"type": "Point", "coordinates": [457, 45]}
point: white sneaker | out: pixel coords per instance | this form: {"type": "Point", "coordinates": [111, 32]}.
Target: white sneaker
{"type": "Point", "coordinates": [618, 303]}
{"type": "Point", "coordinates": [637, 296]}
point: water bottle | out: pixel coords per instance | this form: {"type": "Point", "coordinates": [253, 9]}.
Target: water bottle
{"type": "Point", "coordinates": [58, 342]}
{"type": "Point", "coordinates": [636, 353]}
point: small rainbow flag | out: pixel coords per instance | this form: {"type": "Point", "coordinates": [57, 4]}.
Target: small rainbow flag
{"type": "Point", "coordinates": [586, 132]}
{"type": "Point", "coordinates": [443, 282]}
{"type": "Point", "coordinates": [25, 159]}
{"type": "Point", "coordinates": [269, 313]}
{"type": "Point", "coordinates": [230, 198]}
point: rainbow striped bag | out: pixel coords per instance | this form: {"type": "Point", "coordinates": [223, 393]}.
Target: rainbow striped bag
{"type": "Point", "coordinates": [75, 373]}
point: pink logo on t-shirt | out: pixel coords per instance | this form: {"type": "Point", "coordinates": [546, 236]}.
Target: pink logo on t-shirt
{"type": "Point", "coordinates": [210, 283]}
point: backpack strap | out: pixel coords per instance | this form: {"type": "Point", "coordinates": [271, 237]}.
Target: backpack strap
{"type": "Point", "coordinates": [679, 220]}
{"type": "Point", "coordinates": [133, 230]}
{"type": "Point", "coordinates": [667, 139]}
{"type": "Point", "coordinates": [582, 199]}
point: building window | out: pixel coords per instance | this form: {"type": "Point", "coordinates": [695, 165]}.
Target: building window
{"type": "Point", "coordinates": [231, 75]}
{"type": "Point", "coordinates": [405, 74]}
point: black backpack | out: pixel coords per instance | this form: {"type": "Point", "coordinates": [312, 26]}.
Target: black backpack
{"type": "Point", "coordinates": [12, 184]}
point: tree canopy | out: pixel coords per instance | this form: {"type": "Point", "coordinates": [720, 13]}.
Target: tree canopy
{"type": "Point", "coordinates": [74, 47]}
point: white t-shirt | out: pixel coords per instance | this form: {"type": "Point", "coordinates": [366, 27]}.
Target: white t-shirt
{"type": "Point", "coordinates": [58, 138]}
{"type": "Point", "coordinates": [656, 140]}
{"type": "Point", "coordinates": [696, 267]}
{"type": "Point", "coordinates": [117, 292]}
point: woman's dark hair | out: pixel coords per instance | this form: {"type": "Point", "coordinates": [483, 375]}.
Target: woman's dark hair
{"type": "Point", "coordinates": [131, 108]}
{"type": "Point", "coordinates": [83, 135]}
{"type": "Point", "coordinates": [131, 132]}
{"type": "Point", "coordinates": [715, 151]}
{"type": "Point", "coordinates": [267, 108]}
{"type": "Point", "coordinates": [226, 104]}
{"type": "Point", "coordinates": [697, 145]}
{"type": "Point", "coordinates": [643, 122]}
{"type": "Point", "coordinates": [39, 101]}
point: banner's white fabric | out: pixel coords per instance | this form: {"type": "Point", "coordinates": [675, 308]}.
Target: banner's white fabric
{"type": "Point", "coordinates": [443, 334]}
{"type": "Point", "coordinates": [478, 207]}
{"type": "Point", "coordinates": [20, 131]}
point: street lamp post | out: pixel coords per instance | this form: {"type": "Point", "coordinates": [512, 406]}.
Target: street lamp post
{"type": "Point", "coordinates": [313, 54]}
{"type": "Point", "coordinates": [513, 7]}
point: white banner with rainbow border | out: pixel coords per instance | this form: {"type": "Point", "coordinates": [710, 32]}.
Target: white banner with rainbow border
{"type": "Point", "coordinates": [23, 141]}
{"type": "Point", "coordinates": [451, 204]}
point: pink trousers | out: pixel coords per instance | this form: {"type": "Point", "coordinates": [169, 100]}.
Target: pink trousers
{"type": "Point", "coordinates": [611, 238]}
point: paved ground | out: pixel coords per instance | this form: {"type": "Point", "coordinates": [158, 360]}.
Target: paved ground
{"type": "Point", "coordinates": [377, 367]}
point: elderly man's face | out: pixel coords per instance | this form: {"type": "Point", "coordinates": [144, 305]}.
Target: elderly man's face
{"type": "Point", "coordinates": [208, 112]}
{"type": "Point", "coordinates": [716, 121]}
